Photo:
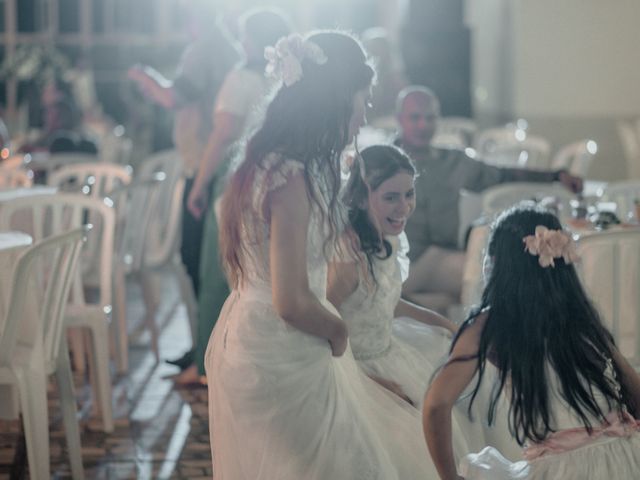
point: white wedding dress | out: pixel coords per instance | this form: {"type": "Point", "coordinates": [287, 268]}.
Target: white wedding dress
{"type": "Point", "coordinates": [281, 406]}
{"type": "Point", "coordinates": [409, 352]}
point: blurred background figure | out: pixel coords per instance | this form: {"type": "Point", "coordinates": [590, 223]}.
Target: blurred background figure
{"type": "Point", "coordinates": [243, 90]}
{"type": "Point", "coordinates": [389, 76]}
{"type": "Point", "coordinates": [191, 95]}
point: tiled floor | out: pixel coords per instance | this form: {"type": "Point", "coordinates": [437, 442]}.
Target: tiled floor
{"type": "Point", "coordinates": [160, 432]}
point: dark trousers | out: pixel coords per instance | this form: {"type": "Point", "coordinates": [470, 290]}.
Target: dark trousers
{"type": "Point", "coordinates": [191, 246]}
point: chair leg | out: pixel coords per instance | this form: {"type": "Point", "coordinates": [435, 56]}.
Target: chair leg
{"type": "Point", "coordinates": [33, 403]}
{"type": "Point", "coordinates": [151, 307]}
{"type": "Point", "coordinates": [102, 378]}
{"type": "Point", "coordinates": [69, 413]}
{"type": "Point", "coordinates": [187, 294]}
{"type": "Point", "coordinates": [76, 341]}
{"type": "Point", "coordinates": [120, 325]}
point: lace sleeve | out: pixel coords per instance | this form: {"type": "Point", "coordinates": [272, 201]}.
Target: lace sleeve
{"type": "Point", "coordinates": [274, 173]}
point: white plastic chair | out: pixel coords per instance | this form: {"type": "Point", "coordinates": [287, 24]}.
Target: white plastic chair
{"type": "Point", "coordinates": [624, 194]}
{"type": "Point", "coordinates": [59, 160]}
{"type": "Point", "coordinates": [531, 153]}
{"type": "Point", "coordinates": [499, 198]}
{"type": "Point", "coordinates": [610, 272]}
{"type": "Point", "coordinates": [42, 277]}
{"type": "Point", "coordinates": [54, 214]}
{"type": "Point", "coordinates": [487, 140]}
{"type": "Point", "coordinates": [472, 274]}
{"type": "Point", "coordinates": [455, 132]}
{"type": "Point", "coordinates": [576, 157]}
{"type": "Point", "coordinates": [15, 178]}
{"type": "Point", "coordinates": [163, 239]}
{"type": "Point", "coordinates": [115, 147]}
{"type": "Point", "coordinates": [630, 138]}
{"type": "Point", "coordinates": [140, 201]}
{"type": "Point", "coordinates": [95, 179]}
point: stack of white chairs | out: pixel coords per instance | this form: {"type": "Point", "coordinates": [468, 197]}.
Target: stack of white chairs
{"type": "Point", "coordinates": [625, 195]}
{"type": "Point", "coordinates": [163, 239]}
{"type": "Point", "coordinates": [136, 204]}
{"type": "Point", "coordinates": [42, 279]}
{"type": "Point", "coordinates": [576, 157]}
{"type": "Point", "coordinates": [610, 271]}
{"type": "Point", "coordinates": [52, 215]}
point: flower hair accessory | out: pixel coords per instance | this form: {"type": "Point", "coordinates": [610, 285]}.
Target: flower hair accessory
{"type": "Point", "coordinates": [549, 244]}
{"type": "Point", "coordinates": [285, 59]}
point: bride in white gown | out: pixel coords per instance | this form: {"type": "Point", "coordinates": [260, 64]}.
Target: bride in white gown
{"type": "Point", "coordinates": [404, 352]}
{"type": "Point", "coordinates": [286, 398]}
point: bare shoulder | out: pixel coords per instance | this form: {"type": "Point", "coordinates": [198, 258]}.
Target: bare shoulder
{"type": "Point", "coordinates": [469, 339]}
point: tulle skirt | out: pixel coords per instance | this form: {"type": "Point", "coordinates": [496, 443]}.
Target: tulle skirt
{"type": "Point", "coordinates": [417, 352]}
{"type": "Point", "coordinates": [605, 459]}
{"type": "Point", "coordinates": [282, 407]}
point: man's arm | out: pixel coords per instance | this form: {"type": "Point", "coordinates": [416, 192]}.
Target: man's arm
{"type": "Point", "coordinates": [571, 182]}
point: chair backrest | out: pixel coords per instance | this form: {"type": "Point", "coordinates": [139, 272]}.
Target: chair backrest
{"type": "Point", "coordinates": [136, 204]}
{"type": "Point", "coordinates": [163, 239]}
{"type": "Point", "coordinates": [42, 278]}
{"type": "Point", "coordinates": [630, 138]}
{"type": "Point", "coordinates": [499, 198]}
{"type": "Point", "coordinates": [624, 194]}
{"type": "Point", "coordinates": [576, 157]}
{"type": "Point", "coordinates": [532, 152]}
{"type": "Point", "coordinates": [451, 128]}
{"type": "Point", "coordinates": [54, 214]}
{"type": "Point", "coordinates": [487, 140]}
{"type": "Point", "coordinates": [610, 271]}
{"type": "Point", "coordinates": [59, 160]}
{"type": "Point", "coordinates": [15, 177]}
{"type": "Point", "coordinates": [95, 179]}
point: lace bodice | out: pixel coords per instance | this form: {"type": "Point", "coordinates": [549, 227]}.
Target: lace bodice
{"type": "Point", "coordinates": [369, 310]}
{"type": "Point", "coordinates": [274, 174]}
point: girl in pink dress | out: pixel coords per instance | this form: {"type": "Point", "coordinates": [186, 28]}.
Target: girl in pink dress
{"type": "Point", "coordinates": [574, 398]}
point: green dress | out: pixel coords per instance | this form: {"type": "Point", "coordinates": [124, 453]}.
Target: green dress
{"type": "Point", "coordinates": [214, 289]}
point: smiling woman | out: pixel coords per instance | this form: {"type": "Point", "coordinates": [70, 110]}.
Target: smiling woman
{"type": "Point", "coordinates": [401, 354]}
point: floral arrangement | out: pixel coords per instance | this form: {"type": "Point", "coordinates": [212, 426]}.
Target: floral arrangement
{"type": "Point", "coordinates": [285, 59]}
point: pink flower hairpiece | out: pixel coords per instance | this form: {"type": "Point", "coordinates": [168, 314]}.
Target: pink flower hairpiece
{"type": "Point", "coordinates": [285, 59]}
{"type": "Point", "coordinates": [550, 244]}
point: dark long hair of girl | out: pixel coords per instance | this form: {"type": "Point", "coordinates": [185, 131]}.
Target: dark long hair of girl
{"type": "Point", "coordinates": [538, 316]}
{"type": "Point", "coordinates": [380, 162]}
{"type": "Point", "coordinates": [307, 122]}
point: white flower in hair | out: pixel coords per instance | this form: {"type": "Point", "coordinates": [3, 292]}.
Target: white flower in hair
{"type": "Point", "coordinates": [285, 59]}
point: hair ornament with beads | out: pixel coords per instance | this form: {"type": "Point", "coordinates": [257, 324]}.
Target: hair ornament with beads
{"type": "Point", "coordinates": [286, 57]}
{"type": "Point", "coordinates": [550, 244]}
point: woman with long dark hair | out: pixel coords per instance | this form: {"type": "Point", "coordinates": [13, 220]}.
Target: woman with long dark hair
{"type": "Point", "coordinates": [574, 398]}
{"type": "Point", "coordinates": [287, 400]}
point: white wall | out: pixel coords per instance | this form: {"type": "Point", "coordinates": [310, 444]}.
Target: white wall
{"type": "Point", "coordinates": [570, 67]}
{"type": "Point", "coordinates": [576, 57]}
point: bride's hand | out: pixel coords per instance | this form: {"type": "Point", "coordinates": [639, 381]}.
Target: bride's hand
{"type": "Point", "coordinates": [338, 340]}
